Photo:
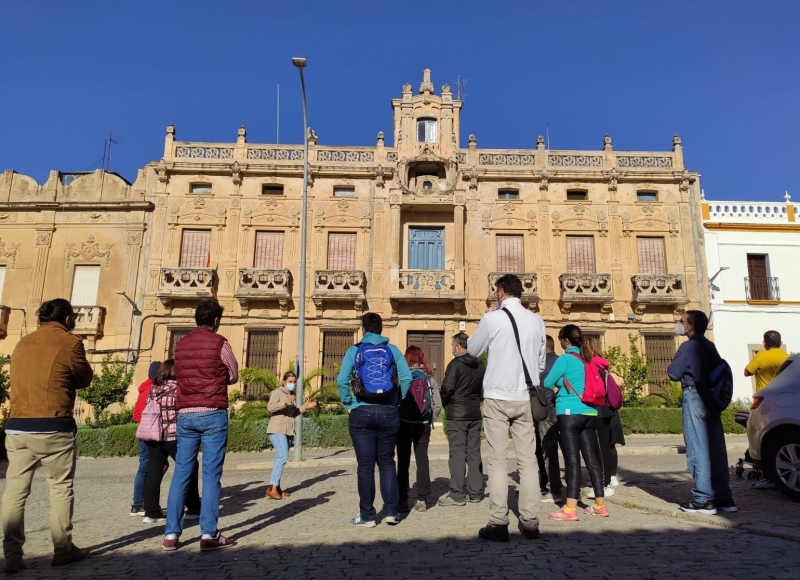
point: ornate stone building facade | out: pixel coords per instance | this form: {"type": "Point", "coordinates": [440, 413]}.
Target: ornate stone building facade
{"type": "Point", "coordinates": [417, 231]}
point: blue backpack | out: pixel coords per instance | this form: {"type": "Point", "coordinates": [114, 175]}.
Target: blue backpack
{"type": "Point", "coordinates": [374, 379]}
{"type": "Point", "coordinates": [416, 405]}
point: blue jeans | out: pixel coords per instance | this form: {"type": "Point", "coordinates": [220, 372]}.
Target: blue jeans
{"type": "Point", "coordinates": [706, 454]}
{"type": "Point", "coordinates": [281, 444]}
{"type": "Point", "coordinates": [374, 429]}
{"type": "Point", "coordinates": [211, 430]}
{"type": "Point", "coordinates": [141, 475]}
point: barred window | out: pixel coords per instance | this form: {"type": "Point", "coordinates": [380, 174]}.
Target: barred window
{"type": "Point", "coordinates": [196, 249]}
{"type": "Point", "coordinates": [510, 256]}
{"type": "Point", "coordinates": [652, 256]}
{"type": "Point", "coordinates": [269, 250]}
{"type": "Point", "coordinates": [263, 352]}
{"type": "Point", "coordinates": [661, 348]}
{"type": "Point", "coordinates": [334, 346]}
{"type": "Point", "coordinates": [341, 251]}
{"type": "Point", "coordinates": [175, 334]}
{"type": "Point", "coordinates": [580, 254]}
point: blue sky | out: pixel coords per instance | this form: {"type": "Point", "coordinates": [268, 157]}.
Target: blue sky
{"type": "Point", "coordinates": [722, 74]}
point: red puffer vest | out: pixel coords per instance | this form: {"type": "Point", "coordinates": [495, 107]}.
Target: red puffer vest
{"type": "Point", "coordinates": [202, 376]}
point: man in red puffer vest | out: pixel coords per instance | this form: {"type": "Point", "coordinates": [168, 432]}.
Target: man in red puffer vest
{"type": "Point", "coordinates": [204, 367]}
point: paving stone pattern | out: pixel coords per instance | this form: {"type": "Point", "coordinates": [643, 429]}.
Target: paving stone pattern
{"type": "Point", "coordinates": [308, 535]}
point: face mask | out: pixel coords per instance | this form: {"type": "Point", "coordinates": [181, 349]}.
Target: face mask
{"type": "Point", "coordinates": [680, 330]}
{"type": "Point", "coordinates": [290, 387]}
{"type": "Point", "coordinates": [453, 351]}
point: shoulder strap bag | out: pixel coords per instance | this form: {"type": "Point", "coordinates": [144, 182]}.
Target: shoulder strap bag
{"type": "Point", "coordinates": [538, 396]}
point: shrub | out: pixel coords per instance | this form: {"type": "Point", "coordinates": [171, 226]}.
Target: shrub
{"type": "Point", "coordinates": [251, 436]}
{"type": "Point", "coordinates": [632, 368]}
{"type": "Point", "coordinates": [251, 411]}
{"type": "Point", "coordinates": [667, 421]}
{"type": "Point", "coordinates": [108, 419]}
{"type": "Point", "coordinates": [109, 386]}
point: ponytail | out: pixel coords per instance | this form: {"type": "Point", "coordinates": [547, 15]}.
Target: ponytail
{"type": "Point", "coordinates": [574, 336]}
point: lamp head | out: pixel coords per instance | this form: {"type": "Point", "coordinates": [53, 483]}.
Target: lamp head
{"type": "Point", "coordinates": [299, 62]}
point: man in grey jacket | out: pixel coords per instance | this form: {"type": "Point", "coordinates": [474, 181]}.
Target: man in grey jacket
{"type": "Point", "coordinates": [507, 403]}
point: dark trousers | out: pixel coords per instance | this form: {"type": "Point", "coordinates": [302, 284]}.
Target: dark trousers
{"type": "Point", "coordinates": [608, 451]}
{"type": "Point", "coordinates": [417, 435]}
{"type": "Point", "coordinates": [578, 437]}
{"type": "Point", "coordinates": [547, 454]}
{"type": "Point", "coordinates": [465, 458]}
{"type": "Point", "coordinates": [158, 453]}
{"type": "Point", "coordinates": [373, 429]}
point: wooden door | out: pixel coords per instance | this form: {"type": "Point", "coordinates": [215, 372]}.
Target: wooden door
{"type": "Point", "coordinates": [432, 344]}
{"type": "Point", "coordinates": [757, 273]}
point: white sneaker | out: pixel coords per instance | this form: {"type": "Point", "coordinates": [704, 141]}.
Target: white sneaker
{"type": "Point", "coordinates": [608, 491]}
{"type": "Point", "coordinates": [764, 484]}
{"type": "Point", "coordinates": [614, 481]}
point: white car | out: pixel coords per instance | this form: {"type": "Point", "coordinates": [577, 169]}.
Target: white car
{"type": "Point", "coordinates": [773, 429]}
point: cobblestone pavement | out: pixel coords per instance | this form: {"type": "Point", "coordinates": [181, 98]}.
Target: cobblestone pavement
{"type": "Point", "coordinates": [308, 536]}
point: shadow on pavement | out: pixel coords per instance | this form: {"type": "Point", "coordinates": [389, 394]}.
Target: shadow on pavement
{"type": "Point", "coordinates": [314, 480]}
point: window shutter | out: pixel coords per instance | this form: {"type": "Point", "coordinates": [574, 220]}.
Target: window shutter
{"type": "Point", "coordinates": [196, 249]}
{"type": "Point", "coordinates": [2, 281]}
{"type": "Point", "coordinates": [510, 256]}
{"type": "Point", "coordinates": [580, 254]}
{"type": "Point", "coordinates": [652, 259]}
{"type": "Point", "coordinates": [341, 251]}
{"type": "Point", "coordinates": [269, 250]}
{"type": "Point", "coordinates": [84, 285]}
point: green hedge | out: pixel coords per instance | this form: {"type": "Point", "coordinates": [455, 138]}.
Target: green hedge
{"type": "Point", "coordinates": [116, 441]}
{"type": "Point", "coordinates": [667, 421]}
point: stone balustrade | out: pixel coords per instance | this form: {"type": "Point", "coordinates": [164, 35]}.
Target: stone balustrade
{"type": "Point", "coordinates": [263, 284]}
{"type": "Point", "coordinates": [343, 285]}
{"type": "Point", "coordinates": [585, 288]}
{"type": "Point", "coordinates": [89, 320]}
{"type": "Point", "coordinates": [439, 281]}
{"type": "Point", "coordinates": [658, 289]}
{"type": "Point", "coordinates": [749, 212]}
{"type": "Point", "coordinates": [185, 283]}
{"type": "Point", "coordinates": [530, 296]}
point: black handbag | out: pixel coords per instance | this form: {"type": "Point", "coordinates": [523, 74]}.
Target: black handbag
{"type": "Point", "coordinates": [538, 396]}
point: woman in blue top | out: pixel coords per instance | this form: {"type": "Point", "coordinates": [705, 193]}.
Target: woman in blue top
{"type": "Point", "coordinates": [576, 421]}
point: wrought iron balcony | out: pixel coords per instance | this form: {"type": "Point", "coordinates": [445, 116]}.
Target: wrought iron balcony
{"type": "Point", "coordinates": [89, 320]}
{"type": "Point", "coordinates": [658, 289]}
{"type": "Point", "coordinates": [5, 312]}
{"type": "Point", "coordinates": [762, 289]}
{"type": "Point", "coordinates": [261, 284]}
{"type": "Point", "coordinates": [529, 293]}
{"type": "Point", "coordinates": [342, 285]}
{"type": "Point", "coordinates": [185, 283]}
{"type": "Point", "coordinates": [585, 288]}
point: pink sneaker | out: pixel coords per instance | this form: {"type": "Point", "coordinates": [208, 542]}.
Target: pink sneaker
{"type": "Point", "coordinates": [595, 511]}
{"type": "Point", "coordinates": [562, 516]}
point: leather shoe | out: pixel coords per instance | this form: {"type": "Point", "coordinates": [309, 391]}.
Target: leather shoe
{"type": "Point", "coordinates": [284, 493]}
{"type": "Point", "coordinates": [14, 566]}
{"type": "Point", "coordinates": [273, 493]}
{"type": "Point", "coordinates": [494, 533]}
{"type": "Point", "coordinates": [528, 533]}
{"type": "Point", "coordinates": [75, 554]}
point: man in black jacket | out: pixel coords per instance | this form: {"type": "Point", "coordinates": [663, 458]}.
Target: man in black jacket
{"type": "Point", "coordinates": [462, 392]}
{"type": "Point", "coordinates": [547, 435]}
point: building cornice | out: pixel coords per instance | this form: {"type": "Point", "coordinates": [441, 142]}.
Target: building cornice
{"type": "Point", "coordinates": [76, 206]}
{"type": "Point", "coordinates": [772, 228]}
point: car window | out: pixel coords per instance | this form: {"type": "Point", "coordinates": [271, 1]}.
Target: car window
{"type": "Point", "coordinates": [784, 366]}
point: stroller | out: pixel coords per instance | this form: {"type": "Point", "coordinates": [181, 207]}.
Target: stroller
{"type": "Point", "coordinates": [741, 418]}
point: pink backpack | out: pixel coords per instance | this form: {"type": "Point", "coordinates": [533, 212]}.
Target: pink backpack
{"type": "Point", "coordinates": [594, 384]}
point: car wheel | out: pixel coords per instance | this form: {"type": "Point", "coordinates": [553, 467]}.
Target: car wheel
{"type": "Point", "coordinates": [784, 465]}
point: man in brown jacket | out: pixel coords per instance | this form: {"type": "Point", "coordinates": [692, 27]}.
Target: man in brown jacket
{"type": "Point", "coordinates": [47, 367]}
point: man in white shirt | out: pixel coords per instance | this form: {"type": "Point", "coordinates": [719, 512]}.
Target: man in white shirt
{"type": "Point", "coordinates": [507, 404]}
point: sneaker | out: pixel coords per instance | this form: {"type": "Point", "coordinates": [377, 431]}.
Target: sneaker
{"type": "Point", "coordinates": [608, 491]}
{"type": "Point", "coordinates": [764, 485]}
{"type": "Point", "coordinates": [191, 516]}
{"type": "Point", "coordinates": [476, 499]}
{"type": "Point", "coordinates": [615, 481]}
{"type": "Point", "coordinates": [563, 515]}
{"type": "Point", "coordinates": [701, 508]}
{"type": "Point", "coordinates": [726, 505]}
{"type": "Point", "coordinates": [392, 520]}
{"type": "Point", "coordinates": [154, 519]}
{"type": "Point", "coordinates": [137, 510]}
{"type": "Point", "coordinates": [446, 500]}
{"type": "Point", "coordinates": [494, 533]}
{"type": "Point", "coordinates": [75, 554]}
{"type": "Point", "coordinates": [215, 543]}
{"type": "Point", "coordinates": [546, 495]}
{"type": "Point", "coordinates": [528, 534]}
{"type": "Point", "coordinates": [170, 543]}
{"type": "Point", "coordinates": [596, 511]}
{"type": "Point", "coordinates": [359, 523]}
{"type": "Point", "coordinates": [421, 506]}
{"type": "Point", "coordinates": [14, 566]}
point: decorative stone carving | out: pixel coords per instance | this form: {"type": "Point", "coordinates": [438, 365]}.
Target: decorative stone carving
{"type": "Point", "coordinates": [134, 238]}
{"type": "Point", "coordinates": [379, 176]}
{"type": "Point", "coordinates": [43, 238]}
{"type": "Point", "coordinates": [575, 160]}
{"type": "Point", "coordinates": [684, 181]}
{"type": "Point", "coordinates": [10, 253]}
{"type": "Point", "coordinates": [659, 289]}
{"type": "Point", "coordinates": [204, 152]}
{"type": "Point", "coordinates": [544, 185]}
{"type": "Point", "coordinates": [89, 250]}
{"type": "Point", "coordinates": [236, 173]}
{"type": "Point", "coordinates": [162, 171]}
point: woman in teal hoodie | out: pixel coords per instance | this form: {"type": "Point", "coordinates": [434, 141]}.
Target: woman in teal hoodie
{"type": "Point", "coordinates": [576, 421]}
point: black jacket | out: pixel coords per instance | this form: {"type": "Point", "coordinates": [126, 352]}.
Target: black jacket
{"type": "Point", "coordinates": [462, 388]}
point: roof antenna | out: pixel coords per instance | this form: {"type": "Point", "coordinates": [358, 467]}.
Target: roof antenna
{"type": "Point", "coordinates": [461, 85]}
{"type": "Point", "coordinates": [107, 156]}
{"type": "Point", "coordinates": [278, 121]}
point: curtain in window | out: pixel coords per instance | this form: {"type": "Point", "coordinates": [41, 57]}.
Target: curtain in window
{"type": "Point", "coordinates": [2, 281]}
{"type": "Point", "coordinates": [341, 251]}
{"type": "Point", "coordinates": [269, 250]}
{"type": "Point", "coordinates": [580, 254]}
{"type": "Point", "coordinates": [652, 258]}
{"type": "Point", "coordinates": [84, 285]}
{"type": "Point", "coordinates": [196, 249]}
{"type": "Point", "coordinates": [510, 257]}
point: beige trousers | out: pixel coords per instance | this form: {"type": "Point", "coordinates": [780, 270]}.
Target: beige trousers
{"type": "Point", "coordinates": [498, 417]}
{"type": "Point", "coordinates": [57, 453]}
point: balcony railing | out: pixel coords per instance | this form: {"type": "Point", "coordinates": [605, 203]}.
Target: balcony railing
{"type": "Point", "coordinates": [339, 285]}
{"type": "Point", "coordinates": [5, 311]}
{"type": "Point", "coordinates": [658, 289]}
{"type": "Point", "coordinates": [437, 281]}
{"type": "Point", "coordinates": [262, 284]}
{"type": "Point", "coordinates": [585, 288]}
{"type": "Point", "coordinates": [528, 279]}
{"type": "Point", "coordinates": [185, 283]}
{"type": "Point", "coordinates": [762, 289]}
{"type": "Point", "coordinates": [89, 320]}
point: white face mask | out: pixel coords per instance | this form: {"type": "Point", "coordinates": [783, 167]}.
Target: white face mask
{"type": "Point", "coordinates": [679, 329]}
{"type": "Point", "coordinates": [290, 387]}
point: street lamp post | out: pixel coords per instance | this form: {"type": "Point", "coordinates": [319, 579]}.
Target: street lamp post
{"type": "Point", "coordinates": [300, 63]}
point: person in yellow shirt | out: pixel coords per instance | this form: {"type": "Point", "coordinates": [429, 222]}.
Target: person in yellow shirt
{"type": "Point", "coordinates": [766, 363]}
